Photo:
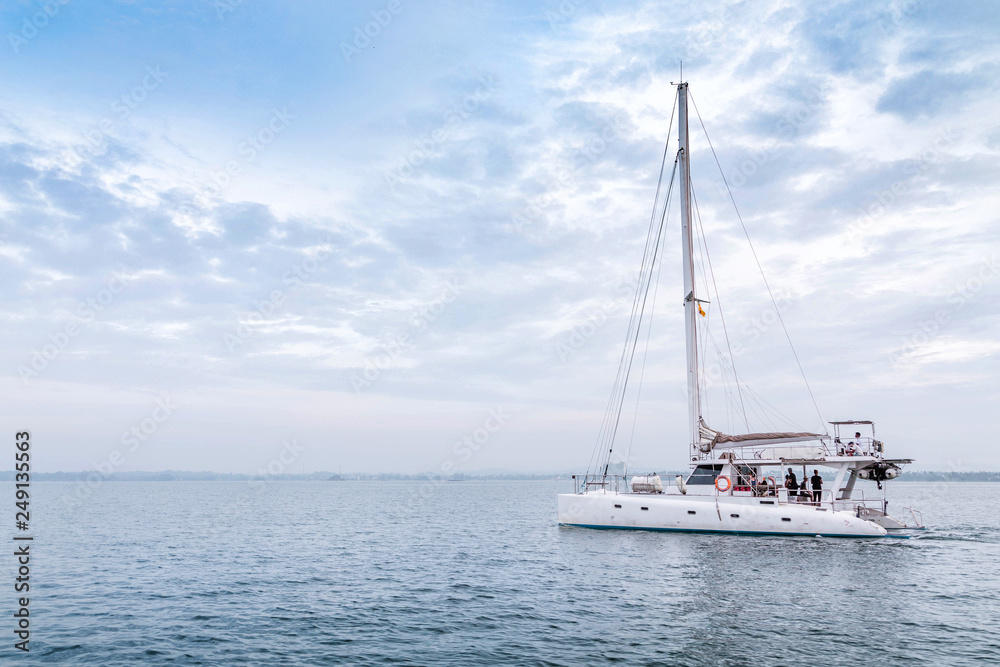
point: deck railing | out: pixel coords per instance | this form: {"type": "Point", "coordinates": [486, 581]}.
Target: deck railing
{"type": "Point", "coordinates": [620, 484]}
{"type": "Point", "coordinates": [862, 447]}
{"type": "Point", "coordinates": [592, 482]}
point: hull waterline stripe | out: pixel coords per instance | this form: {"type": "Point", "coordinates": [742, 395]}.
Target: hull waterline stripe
{"type": "Point", "coordinates": [728, 532]}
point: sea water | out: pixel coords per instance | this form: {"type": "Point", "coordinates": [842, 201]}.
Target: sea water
{"type": "Point", "coordinates": [476, 572]}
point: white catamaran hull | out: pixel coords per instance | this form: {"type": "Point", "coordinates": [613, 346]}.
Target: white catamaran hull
{"type": "Point", "coordinates": [716, 514]}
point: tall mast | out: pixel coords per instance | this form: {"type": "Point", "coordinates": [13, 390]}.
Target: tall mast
{"type": "Point", "coordinates": [687, 241]}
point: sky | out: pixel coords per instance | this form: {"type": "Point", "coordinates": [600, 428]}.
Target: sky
{"type": "Point", "coordinates": [403, 236]}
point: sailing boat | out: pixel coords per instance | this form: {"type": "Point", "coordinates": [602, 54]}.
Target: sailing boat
{"type": "Point", "coordinates": [732, 485]}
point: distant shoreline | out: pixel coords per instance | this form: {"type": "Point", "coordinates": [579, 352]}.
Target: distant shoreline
{"type": "Point", "coordinates": [185, 476]}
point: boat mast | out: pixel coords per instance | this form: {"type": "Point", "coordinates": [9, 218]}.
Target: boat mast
{"type": "Point", "coordinates": [687, 241]}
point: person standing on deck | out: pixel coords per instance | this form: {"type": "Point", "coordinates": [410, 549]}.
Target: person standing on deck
{"type": "Point", "coordinates": [792, 485]}
{"type": "Point", "coordinates": [817, 485]}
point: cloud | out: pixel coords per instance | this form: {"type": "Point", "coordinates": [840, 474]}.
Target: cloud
{"type": "Point", "coordinates": [928, 93]}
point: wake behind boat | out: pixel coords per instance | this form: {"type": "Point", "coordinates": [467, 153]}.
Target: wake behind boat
{"type": "Point", "coordinates": [733, 486]}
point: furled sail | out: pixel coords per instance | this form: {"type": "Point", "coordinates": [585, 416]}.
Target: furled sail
{"type": "Point", "coordinates": [711, 438]}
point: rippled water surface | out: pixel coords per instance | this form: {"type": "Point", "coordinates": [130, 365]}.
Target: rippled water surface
{"type": "Point", "coordinates": [305, 573]}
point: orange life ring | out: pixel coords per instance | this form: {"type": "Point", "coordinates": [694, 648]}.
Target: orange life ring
{"type": "Point", "coordinates": [729, 484]}
{"type": "Point", "coordinates": [771, 481]}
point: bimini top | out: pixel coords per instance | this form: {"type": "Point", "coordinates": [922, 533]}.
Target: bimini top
{"type": "Point", "coordinates": [862, 421]}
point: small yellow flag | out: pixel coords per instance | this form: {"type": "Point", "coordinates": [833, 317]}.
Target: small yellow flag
{"type": "Point", "coordinates": [700, 310]}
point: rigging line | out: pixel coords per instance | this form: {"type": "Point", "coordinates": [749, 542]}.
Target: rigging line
{"type": "Point", "coordinates": [605, 436]}
{"type": "Point", "coordinates": [706, 409]}
{"type": "Point", "coordinates": [649, 332]}
{"type": "Point", "coordinates": [699, 263]}
{"type": "Point", "coordinates": [656, 253]}
{"type": "Point", "coordinates": [760, 268]}
{"type": "Point", "coordinates": [705, 333]}
{"type": "Point", "coordinates": [762, 415]}
{"type": "Point", "coordinates": [778, 418]}
{"type": "Point", "coordinates": [605, 439]}
{"type": "Point", "coordinates": [645, 296]}
{"type": "Point", "coordinates": [727, 389]}
{"type": "Point", "coordinates": [731, 404]}
{"type": "Point", "coordinates": [703, 376]}
{"type": "Point", "coordinates": [727, 394]}
{"type": "Point", "coordinates": [602, 437]}
{"type": "Point", "coordinates": [718, 299]}
{"type": "Point", "coordinates": [612, 399]}
{"type": "Point", "coordinates": [642, 371]}
{"type": "Point", "coordinates": [702, 358]}
{"type": "Point", "coordinates": [603, 433]}
{"type": "Point", "coordinates": [761, 401]}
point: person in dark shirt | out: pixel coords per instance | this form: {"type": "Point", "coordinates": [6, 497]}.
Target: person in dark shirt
{"type": "Point", "coordinates": [817, 485]}
{"type": "Point", "coordinates": [791, 484]}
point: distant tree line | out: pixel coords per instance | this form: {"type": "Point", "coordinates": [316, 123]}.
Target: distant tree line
{"type": "Point", "coordinates": [929, 476]}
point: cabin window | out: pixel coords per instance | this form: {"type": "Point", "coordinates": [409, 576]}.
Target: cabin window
{"type": "Point", "coordinates": [735, 516]}
{"type": "Point", "coordinates": [691, 512]}
{"type": "Point", "coordinates": [705, 474]}
{"type": "Point", "coordinates": [645, 509]}
{"type": "Point", "coordinates": [767, 502]}
{"type": "Point", "coordinates": [785, 518]}
{"type": "Point", "coordinates": [618, 507]}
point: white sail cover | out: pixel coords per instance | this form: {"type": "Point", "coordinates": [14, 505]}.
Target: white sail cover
{"type": "Point", "coordinates": [710, 438]}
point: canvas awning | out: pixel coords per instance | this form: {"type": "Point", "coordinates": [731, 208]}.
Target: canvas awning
{"type": "Point", "coordinates": [710, 438]}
